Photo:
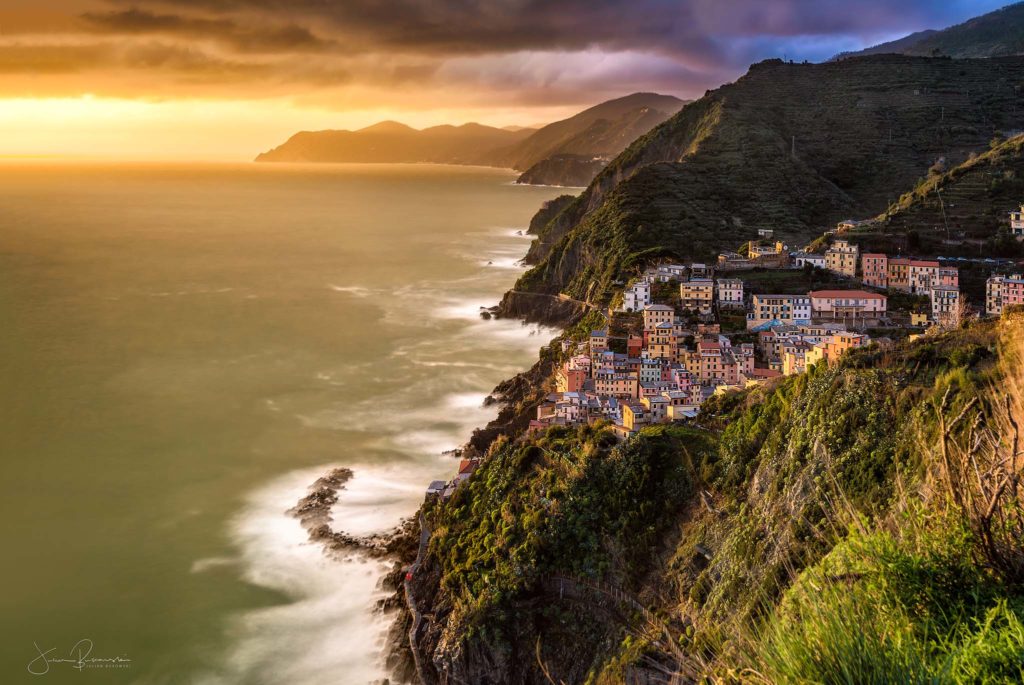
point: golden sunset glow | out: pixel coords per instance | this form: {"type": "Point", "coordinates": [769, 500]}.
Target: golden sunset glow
{"type": "Point", "coordinates": [224, 79]}
{"type": "Point", "coordinates": [91, 127]}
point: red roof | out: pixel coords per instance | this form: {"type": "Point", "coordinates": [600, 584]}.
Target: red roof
{"type": "Point", "coordinates": [876, 255]}
{"type": "Point", "coordinates": [862, 294]}
{"type": "Point", "coordinates": [759, 372]}
{"type": "Point", "coordinates": [467, 466]}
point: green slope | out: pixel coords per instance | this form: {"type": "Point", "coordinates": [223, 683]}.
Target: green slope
{"type": "Point", "coordinates": [790, 147]}
{"type": "Point", "coordinates": [704, 530]}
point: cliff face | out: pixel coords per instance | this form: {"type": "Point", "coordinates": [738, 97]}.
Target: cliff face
{"type": "Point", "coordinates": [563, 170]}
{"type": "Point", "coordinates": [602, 130]}
{"type": "Point", "coordinates": [790, 147]}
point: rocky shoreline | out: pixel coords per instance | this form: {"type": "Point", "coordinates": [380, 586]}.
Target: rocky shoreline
{"type": "Point", "coordinates": [517, 397]}
{"type": "Point", "coordinates": [397, 546]}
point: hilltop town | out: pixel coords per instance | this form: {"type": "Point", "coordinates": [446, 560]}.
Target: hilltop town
{"type": "Point", "coordinates": [757, 435]}
{"type": "Point", "coordinates": [679, 334]}
{"type": "Point", "coordinates": [660, 358]}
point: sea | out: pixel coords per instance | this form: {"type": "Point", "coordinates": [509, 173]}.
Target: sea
{"type": "Point", "coordinates": [184, 350]}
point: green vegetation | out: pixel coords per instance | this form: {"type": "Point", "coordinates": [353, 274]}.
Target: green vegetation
{"type": "Point", "coordinates": [791, 281]}
{"type": "Point", "coordinates": [570, 502]}
{"type": "Point", "coordinates": [705, 180]}
{"type": "Point", "coordinates": [906, 606]}
{"type": "Point", "coordinates": [961, 212]}
{"type": "Point", "coordinates": [804, 532]}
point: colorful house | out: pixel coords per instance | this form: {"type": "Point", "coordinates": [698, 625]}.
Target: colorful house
{"type": "Point", "coordinates": [655, 314]}
{"type": "Point", "coordinates": [874, 269]}
{"type": "Point", "coordinates": [847, 304]}
{"type": "Point", "coordinates": [841, 258]}
{"type": "Point", "coordinates": [1002, 292]}
{"type": "Point", "coordinates": [767, 311]}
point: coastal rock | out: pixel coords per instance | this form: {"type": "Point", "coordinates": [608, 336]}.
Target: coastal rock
{"type": "Point", "coordinates": [543, 308]}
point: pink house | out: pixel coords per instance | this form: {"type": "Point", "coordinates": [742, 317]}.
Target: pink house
{"type": "Point", "coordinates": [874, 268]}
{"type": "Point", "coordinates": [948, 277]}
{"type": "Point", "coordinates": [847, 304]}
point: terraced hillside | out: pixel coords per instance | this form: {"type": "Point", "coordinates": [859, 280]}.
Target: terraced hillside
{"type": "Point", "coordinates": [794, 147]}
{"type": "Point", "coordinates": [968, 202]}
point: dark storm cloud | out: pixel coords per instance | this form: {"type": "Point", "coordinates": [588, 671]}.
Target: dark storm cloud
{"type": "Point", "coordinates": [270, 37]}
{"type": "Point", "coordinates": [688, 29]}
{"type": "Point", "coordinates": [554, 52]}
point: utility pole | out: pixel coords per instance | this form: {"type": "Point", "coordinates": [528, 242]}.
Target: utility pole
{"type": "Point", "coordinates": [942, 206]}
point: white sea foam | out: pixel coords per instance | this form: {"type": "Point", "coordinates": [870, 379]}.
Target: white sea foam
{"type": "Point", "coordinates": [468, 308]}
{"type": "Point", "coordinates": [505, 262]}
{"type": "Point", "coordinates": [202, 565]}
{"type": "Point", "coordinates": [325, 629]}
{"type": "Point", "coordinates": [356, 290]}
{"type": "Point", "coordinates": [375, 499]}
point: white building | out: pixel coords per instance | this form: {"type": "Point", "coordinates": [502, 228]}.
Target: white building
{"type": "Point", "coordinates": [730, 292]}
{"type": "Point", "coordinates": [636, 297]}
{"type": "Point", "coordinates": [664, 273]}
{"type": "Point", "coordinates": [945, 306]}
{"type": "Point", "coordinates": [802, 258]}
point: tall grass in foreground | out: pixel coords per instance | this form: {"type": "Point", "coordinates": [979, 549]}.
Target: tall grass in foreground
{"type": "Point", "coordinates": [888, 609]}
{"type": "Point", "coordinates": [934, 594]}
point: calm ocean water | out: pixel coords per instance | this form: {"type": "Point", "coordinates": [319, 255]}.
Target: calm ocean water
{"type": "Point", "coordinates": [183, 350]}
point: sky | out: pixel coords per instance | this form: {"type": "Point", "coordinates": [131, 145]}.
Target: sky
{"type": "Point", "coordinates": [226, 79]}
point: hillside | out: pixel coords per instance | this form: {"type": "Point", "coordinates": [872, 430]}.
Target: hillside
{"type": "Point", "coordinates": [392, 142]}
{"type": "Point", "coordinates": [794, 147]}
{"type": "Point", "coordinates": [962, 210]}
{"type": "Point", "coordinates": [818, 530]}
{"type": "Point", "coordinates": [563, 170]}
{"type": "Point", "coordinates": [996, 34]}
{"type": "Point", "coordinates": [893, 47]}
{"type": "Point", "coordinates": [568, 152]}
{"type": "Point", "coordinates": [600, 131]}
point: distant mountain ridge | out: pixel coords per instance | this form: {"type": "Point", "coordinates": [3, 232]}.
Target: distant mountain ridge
{"type": "Point", "coordinates": [602, 130]}
{"type": "Point", "coordinates": [996, 34]}
{"type": "Point", "coordinates": [589, 139]}
{"type": "Point", "coordinates": [393, 142]}
{"type": "Point", "coordinates": [793, 147]}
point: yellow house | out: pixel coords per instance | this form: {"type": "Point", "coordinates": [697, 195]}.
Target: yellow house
{"type": "Point", "coordinates": [918, 319]}
{"type": "Point", "coordinates": [841, 258]}
{"type": "Point", "coordinates": [633, 415]}
{"type": "Point", "coordinates": [697, 294]}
